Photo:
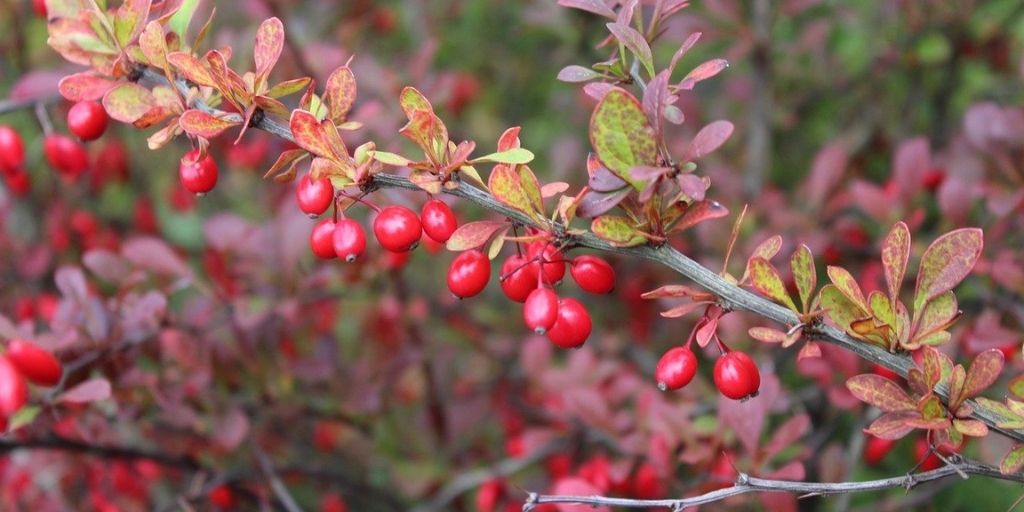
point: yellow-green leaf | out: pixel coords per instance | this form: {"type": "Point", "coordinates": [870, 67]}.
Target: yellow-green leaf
{"type": "Point", "coordinates": [765, 279]}
{"type": "Point", "coordinates": [621, 135]}
{"type": "Point", "coordinates": [616, 230]}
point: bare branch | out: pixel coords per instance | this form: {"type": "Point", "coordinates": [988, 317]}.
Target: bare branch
{"type": "Point", "coordinates": [747, 484]}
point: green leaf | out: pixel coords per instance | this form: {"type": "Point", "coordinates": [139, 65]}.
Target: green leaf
{"type": "Point", "coordinates": [621, 136]}
{"type": "Point", "coordinates": [947, 262]}
{"type": "Point", "coordinates": [880, 392]}
{"type": "Point", "coordinates": [806, 277]}
{"type": "Point", "coordinates": [127, 102]}
{"type": "Point", "coordinates": [767, 250]}
{"type": "Point", "coordinates": [1016, 386]}
{"type": "Point", "coordinates": [181, 19]}
{"type": "Point", "coordinates": [128, 21]}
{"type": "Point", "coordinates": [24, 416]}
{"type": "Point", "coordinates": [618, 231]}
{"type": "Point", "coordinates": [931, 407]}
{"type": "Point", "coordinates": [387, 158]}
{"type": "Point", "coordinates": [1005, 413]}
{"type": "Point", "coordinates": [984, 370]}
{"type": "Point", "coordinates": [895, 254]}
{"type": "Point", "coordinates": [765, 279]}
{"type": "Point", "coordinates": [473, 234]}
{"type": "Point", "coordinates": [843, 312]}
{"type": "Point", "coordinates": [511, 156]}
{"type": "Point", "coordinates": [1013, 461]}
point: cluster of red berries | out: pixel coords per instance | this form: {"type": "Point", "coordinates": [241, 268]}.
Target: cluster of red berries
{"type": "Point", "coordinates": [22, 361]}
{"type": "Point", "coordinates": [736, 375]}
{"type": "Point", "coordinates": [529, 278]}
{"type": "Point", "coordinates": [396, 228]}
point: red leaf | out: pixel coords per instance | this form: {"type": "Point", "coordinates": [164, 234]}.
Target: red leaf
{"type": "Point", "coordinates": [473, 234]}
{"type": "Point", "coordinates": [309, 134]}
{"type": "Point", "coordinates": [946, 262]}
{"type": "Point", "coordinates": [984, 370]}
{"type": "Point", "coordinates": [200, 124]}
{"type": "Point", "coordinates": [893, 425]}
{"type": "Point", "coordinates": [84, 87]}
{"type": "Point", "coordinates": [340, 92]}
{"type": "Point", "coordinates": [269, 43]}
{"type": "Point", "coordinates": [575, 73]}
{"type": "Point", "coordinates": [699, 212]}
{"type": "Point", "coordinates": [826, 171]}
{"type": "Point", "coordinates": [598, 7]}
{"type": "Point", "coordinates": [703, 72]}
{"type": "Point", "coordinates": [91, 390]}
{"type": "Point", "coordinates": [895, 254]}
{"type": "Point", "coordinates": [708, 139]}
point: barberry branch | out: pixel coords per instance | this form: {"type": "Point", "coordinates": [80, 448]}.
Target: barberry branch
{"type": "Point", "coordinates": [747, 484]}
{"type": "Point", "coordinates": [730, 296]}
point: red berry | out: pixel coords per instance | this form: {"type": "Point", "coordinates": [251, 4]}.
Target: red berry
{"type": "Point", "coordinates": [573, 325]}
{"type": "Point", "coordinates": [198, 176]}
{"type": "Point", "coordinates": [396, 260]}
{"type": "Point", "coordinates": [519, 278]}
{"type": "Point", "coordinates": [332, 502]}
{"type": "Point", "coordinates": [737, 376]}
{"type": "Point", "coordinates": [13, 391]}
{"type": "Point", "coordinates": [921, 450]}
{"type": "Point", "coordinates": [314, 196]}
{"type": "Point", "coordinates": [144, 217]}
{"type": "Point", "coordinates": [488, 495]}
{"type": "Point", "coordinates": [676, 368]}
{"type": "Point", "coordinates": [65, 155]}
{"type": "Point", "coordinates": [553, 263]}
{"type": "Point", "coordinates": [646, 484]}
{"type": "Point", "coordinates": [36, 364]}
{"type": "Point", "coordinates": [223, 498]}
{"type": "Point", "coordinates": [541, 310]}
{"type": "Point", "coordinates": [87, 120]}
{"type": "Point", "coordinates": [438, 220]}
{"type": "Point", "coordinates": [469, 273]}
{"type": "Point", "coordinates": [18, 182]}
{"type": "Point", "coordinates": [12, 149]}
{"type": "Point", "coordinates": [593, 274]}
{"type": "Point", "coordinates": [933, 179]}
{"type": "Point", "coordinates": [321, 240]}
{"type": "Point", "coordinates": [397, 228]}
{"type": "Point", "coordinates": [878, 369]}
{"type": "Point", "coordinates": [349, 240]}
{"type": "Point", "coordinates": [39, 6]}
{"type": "Point", "coordinates": [876, 448]}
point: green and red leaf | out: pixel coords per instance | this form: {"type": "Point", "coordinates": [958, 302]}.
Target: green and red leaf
{"type": "Point", "coordinates": [473, 234]}
{"type": "Point", "coordinates": [269, 44]}
{"type": "Point", "coordinates": [192, 68]}
{"type": "Point", "coordinates": [309, 134]}
{"type": "Point", "coordinates": [931, 408]}
{"type": "Point", "coordinates": [947, 262]}
{"type": "Point", "coordinates": [340, 93]}
{"type": "Point", "coordinates": [288, 87]}
{"type": "Point", "coordinates": [635, 42]}
{"type": "Point", "coordinates": [804, 274]}
{"type": "Point", "coordinates": [516, 189]}
{"type": "Point", "coordinates": [847, 285]}
{"type": "Point", "coordinates": [128, 101]}
{"type": "Point", "coordinates": [984, 370]}
{"type": "Point", "coordinates": [895, 255]}
{"type": "Point", "coordinates": [892, 425]}
{"type": "Point", "coordinates": [1016, 386]}
{"type": "Point", "coordinates": [84, 87]}
{"type": "Point", "coordinates": [880, 392]}
{"type": "Point", "coordinates": [622, 136]}
{"type": "Point", "coordinates": [129, 19]}
{"type": "Point", "coordinates": [767, 334]}
{"type": "Point", "coordinates": [968, 427]}
{"type": "Point", "coordinates": [616, 230]}
{"type": "Point", "coordinates": [765, 279]}
{"type": "Point", "coordinates": [201, 124]}
{"type": "Point", "coordinates": [1013, 461]}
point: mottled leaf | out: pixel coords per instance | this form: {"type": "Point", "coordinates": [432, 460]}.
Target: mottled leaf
{"type": "Point", "coordinates": [845, 283]}
{"type": "Point", "coordinates": [947, 262]}
{"type": "Point", "coordinates": [309, 134]}
{"type": "Point", "coordinates": [880, 392]}
{"type": "Point", "coordinates": [957, 378]}
{"type": "Point", "coordinates": [510, 186]}
{"type": "Point", "coordinates": [984, 370]}
{"type": "Point", "coordinates": [804, 274]}
{"type": "Point", "coordinates": [269, 44]}
{"type": "Point", "coordinates": [340, 93]}
{"type": "Point", "coordinates": [84, 87]}
{"type": "Point", "coordinates": [618, 231]}
{"type": "Point", "coordinates": [893, 425]}
{"type": "Point", "coordinates": [1013, 461]}
{"type": "Point", "coordinates": [973, 428]}
{"type": "Point", "coordinates": [129, 19]}
{"type": "Point", "coordinates": [931, 407]}
{"type": "Point", "coordinates": [200, 124]}
{"type": "Point", "coordinates": [192, 68]}
{"type": "Point", "coordinates": [621, 135]}
{"type": "Point", "coordinates": [473, 234]}
{"type": "Point", "coordinates": [938, 313]}
{"type": "Point", "coordinates": [127, 102]}
{"type": "Point", "coordinates": [895, 254]}
{"type": "Point", "coordinates": [765, 279]}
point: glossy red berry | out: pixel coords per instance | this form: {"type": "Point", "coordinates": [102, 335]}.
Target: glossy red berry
{"type": "Point", "coordinates": [13, 391]}
{"type": "Point", "coordinates": [736, 376]}
{"type": "Point", "coordinates": [921, 452]}
{"type": "Point", "coordinates": [18, 182]}
{"type": "Point", "coordinates": [541, 310]}
{"type": "Point", "coordinates": [314, 196]}
{"type": "Point", "coordinates": [397, 228]}
{"type": "Point", "coordinates": [553, 262]}
{"type": "Point", "coordinates": [675, 369]}
{"type": "Point", "coordinates": [519, 278]}
{"type": "Point", "coordinates": [36, 364]}
{"type": "Point", "coordinates": [87, 120]}
{"type": "Point", "coordinates": [573, 326]}
{"type": "Point", "coordinates": [469, 273]}
{"type": "Point", "coordinates": [12, 149]}
{"type": "Point", "coordinates": [593, 274]}
{"type": "Point", "coordinates": [197, 176]}
{"type": "Point", "coordinates": [65, 155]}
{"type": "Point", "coordinates": [349, 240]}
{"type": "Point", "coordinates": [321, 240]}
{"type": "Point", "coordinates": [438, 220]}
{"type": "Point", "coordinates": [876, 448]}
